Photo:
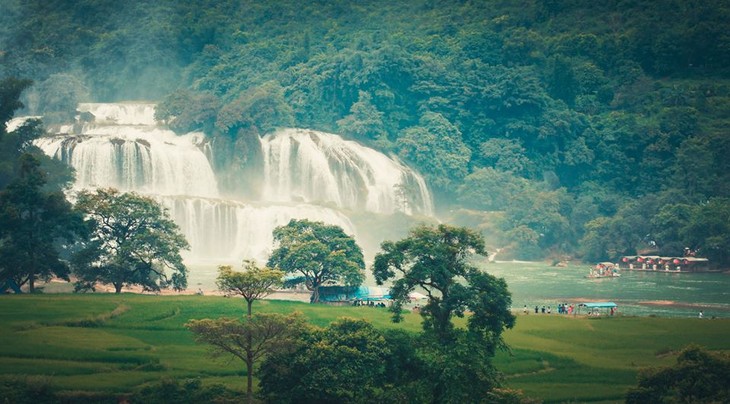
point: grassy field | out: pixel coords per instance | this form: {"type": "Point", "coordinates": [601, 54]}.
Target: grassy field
{"type": "Point", "coordinates": [115, 343]}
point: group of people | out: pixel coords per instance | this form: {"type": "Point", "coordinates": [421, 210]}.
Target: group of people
{"type": "Point", "coordinates": [361, 302]}
{"type": "Point", "coordinates": [563, 308]}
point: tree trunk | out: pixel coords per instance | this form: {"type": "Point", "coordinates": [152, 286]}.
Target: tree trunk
{"type": "Point", "coordinates": [118, 288]}
{"type": "Point", "coordinates": [249, 374]}
{"type": "Point", "coordinates": [315, 295]}
{"type": "Point", "coordinates": [31, 284]}
{"type": "Point", "coordinates": [249, 303]}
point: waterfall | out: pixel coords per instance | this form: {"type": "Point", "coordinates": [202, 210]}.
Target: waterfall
{"type": "Point", "coordinates": [228, 231]}
{"type": "Point", "coordinates": [323, 168]}
{"type": "Point", "coordinates": [307, 174]}
{"type": "Point", "coordinates": [130, 158]}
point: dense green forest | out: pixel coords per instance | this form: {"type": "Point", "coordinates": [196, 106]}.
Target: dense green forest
{"type": "Point", "coordinates": [560, 128]}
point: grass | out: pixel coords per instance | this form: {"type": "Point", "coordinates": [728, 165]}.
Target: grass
{"type": "Point", "coordinates": [115, 343]}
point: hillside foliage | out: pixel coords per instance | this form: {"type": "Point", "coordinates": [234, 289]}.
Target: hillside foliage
{"type": "Point", "coordinates": [582, 127]}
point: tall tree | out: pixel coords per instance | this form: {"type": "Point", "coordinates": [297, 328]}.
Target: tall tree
{"type": "Point", "coordinates": [133, 242]}
{"type": "Point", "coordinates": [253, 283]}
{"type": "Point", "coordinates": [32, 223]}
{"type": "Point", "coordinates": [322, 254]}
{"type": "Point", "coordinates": [436, 260]}
{"type": "Point", "coordinates": [251, 339]}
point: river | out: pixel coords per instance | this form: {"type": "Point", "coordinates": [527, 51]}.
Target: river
{"type": "Point", "coordinates": [636, 293]}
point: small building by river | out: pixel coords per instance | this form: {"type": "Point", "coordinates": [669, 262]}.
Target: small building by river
{"type": "Point", "coordinates": [666, 264]}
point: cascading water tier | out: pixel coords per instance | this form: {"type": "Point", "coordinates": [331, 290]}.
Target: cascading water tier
{"type": "Point", "coordinates": [307, 174]}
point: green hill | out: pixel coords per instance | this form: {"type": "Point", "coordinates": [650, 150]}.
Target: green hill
{"type": "Point", "coordinates": [591, 129]}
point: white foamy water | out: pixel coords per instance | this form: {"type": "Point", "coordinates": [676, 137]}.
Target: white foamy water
{"type": "Point", "coordinates": [308, 175]}
{"type": "Point", "coordinates": [323, 168]}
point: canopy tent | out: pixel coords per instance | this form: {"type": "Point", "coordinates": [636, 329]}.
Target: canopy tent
{"type": "Point", "coordinates": [344, 293]}
{"type": "Point", "coordinates": [599, 305]}
{"type": "Point", "coordinates": [594, 308]}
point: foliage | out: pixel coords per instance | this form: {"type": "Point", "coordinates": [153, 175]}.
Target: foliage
{"type": "Point", "coordinates": [250, 340]}
{"type": "Point", "coordinates": [435, 146]}
{"type": "Point", "coordinates": [36, 221]}
{"type": "Point", "coordinates": [133, 242]}
{"type": "Point", "coordinates": [699, 376]}
{"type": "Point", "coordinates": [349, 361]}
{"type": "Point", "coordinates": [185, 391]}
{"type": "Point", "coordinates": [185, 111]}
{"type": "Point", "coordinates": [31, 223]}
{"type": "Point", "coordinates": [436, 260]}
{"type": "Point", "coordinates": [258, 110]}
{"type": "Point", "coordinates": [253, 283]}
{"type": "Point", "coordinates": [323, 254]}
{"type": "Point", "coordinates": [27, 390]}
{"type": "Point", "coordinates": [631, 96]}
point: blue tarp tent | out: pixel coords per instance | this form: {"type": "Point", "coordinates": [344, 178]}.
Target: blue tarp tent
{"type": "Point", "coordinates": [344, 293]}
{"type": "Point", "coordinates": [594, 308]}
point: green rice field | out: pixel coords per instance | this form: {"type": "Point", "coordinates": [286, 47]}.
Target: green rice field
{"type": "Point", "coordinates": [116, 343]}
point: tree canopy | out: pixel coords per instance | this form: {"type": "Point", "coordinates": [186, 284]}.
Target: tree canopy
{"type": "Point", "coordinates": [698, 376]}
{"type": "Point", "coordinates": [436, 260]}
{"type": "Point", "coordinates": [36, 221]}
{"type": "Point", "coordinates": [251, 339]}
{"type": "Point", "coordinates": [252, 283]}
{"type": "Point", "coordinates": [348, 361]}
{"type": "Point", "coordinates": [33, 224]}
{"type": "Point", "coordinates": [133, 242]}
{"type": "Point", "coordinates": [319, 253]}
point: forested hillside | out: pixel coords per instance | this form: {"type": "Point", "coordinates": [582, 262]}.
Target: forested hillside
{"type": "Point", "coordinates": [560, 128]}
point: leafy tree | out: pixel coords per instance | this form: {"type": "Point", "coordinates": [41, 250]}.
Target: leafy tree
{"type": "Point", "coordinates": [32, 222]}
{"type": "Point", "coordinates": [365, 122]}
{"type": "Point", "coordinates": [322, 254]}
{"type": "Point", "coordinates": [10, 91]}
{"type": "Point", "coordinates": [699, 376]}
{"type": "Point", "coordinates": [58, 97]}
{"type": "Point", "coordinates": [490, 189]}
{"type": "Point", "coordinates": [251, 339]}
{"type": "Point", "coordinates": [436, 260]}
{"type": "Point", "coordinates": [346, 362]}
{"type": "Point", "coordinates": [259, 110]}
{"type": "Point", "coordinates": [185, 111]}
{"type": "Point", "coordinates": [505, 155]}
{"type": "Point", "coordinates": [435, 146]}
{"type": "Point", "coordinates": [133, 242]}
{"type": "Point", "coordinates": [708, 230]}
{"type": "Point", "coordinates": [544, 212]}
{"type": "Point", "coordinates": [253, 283]}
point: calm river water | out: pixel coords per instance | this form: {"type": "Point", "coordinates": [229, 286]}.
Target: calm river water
{"type": "Point", "coordinates": [636, 293]}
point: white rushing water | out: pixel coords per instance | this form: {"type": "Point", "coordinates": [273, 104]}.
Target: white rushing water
{"type": "Point", "coordinates": [324, 168]}
{"type": "Point", "coordinates": [307, 174]}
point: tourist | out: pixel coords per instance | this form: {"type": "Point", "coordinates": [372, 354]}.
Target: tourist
{"type": "Point", "coordinates": [524, 310]}
{"type": "Point", "coordinates": [701, 314]}
{"type": "Point", "coordinates": [536, 309]}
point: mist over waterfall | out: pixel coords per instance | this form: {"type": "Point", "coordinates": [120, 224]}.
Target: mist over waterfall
{"type": "Point", "coordinates": [306, 174]}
